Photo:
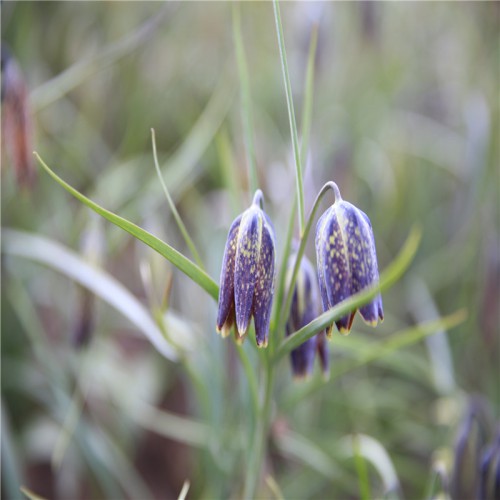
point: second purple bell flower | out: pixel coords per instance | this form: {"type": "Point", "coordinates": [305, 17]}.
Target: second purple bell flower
{"type": "Point", "coordinates": [347, 261]}
{"type": "Point", "coordinates": [247, 275]}
{"type": "Point", "coordinates": [304, 309]}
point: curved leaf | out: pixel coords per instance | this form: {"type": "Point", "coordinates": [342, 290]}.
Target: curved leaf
{"type": "Point", "coordinates": [182, 263]}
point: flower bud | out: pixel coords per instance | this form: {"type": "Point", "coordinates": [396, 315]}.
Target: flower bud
{"type": "Point", "coordinates": [247, 275]}
{"type": "Point", "coordinates": [304, 308]}
{"type": "Point", "coordinates": [347, 261]}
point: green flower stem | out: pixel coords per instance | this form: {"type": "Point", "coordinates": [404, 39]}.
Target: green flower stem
{"type": "Point", "coordinates": [259, 441]}
{"type": "Point", "coordinates": [291, 116]}
{"type": "Point", "coordinates": [246, 111]}
{"type": "Point", "coordinates": [175, 213]}
{"type": "Point", "coordinates": [276, 333]}
{"type": "Point", "coordinates": [302, 246]}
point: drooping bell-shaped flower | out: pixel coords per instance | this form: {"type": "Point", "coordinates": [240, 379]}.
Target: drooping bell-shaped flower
{"type": "Point", "coordinates": [347, 260]}
{"type": "Point", "coordinates": [247, 275]}
{"type": "Point", "coordinates": [304, 308]}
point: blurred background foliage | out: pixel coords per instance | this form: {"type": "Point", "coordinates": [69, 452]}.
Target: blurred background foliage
{"type": "Point", "coordinates": [405, 119]}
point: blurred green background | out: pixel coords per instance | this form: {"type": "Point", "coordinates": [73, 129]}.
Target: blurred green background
{"type": "Point", "coordinates": [405, 119]}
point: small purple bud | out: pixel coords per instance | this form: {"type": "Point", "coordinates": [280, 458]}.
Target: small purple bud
{"type": "Point", "coordinates": [305, 308]}
{"type": "Point", "coordinates": [247, 275]}
{"type": "Point", "coordinates": [347, 261]}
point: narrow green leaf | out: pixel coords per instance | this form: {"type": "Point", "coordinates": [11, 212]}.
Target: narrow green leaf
{"type": "Point", "coordinates": [173, 208]}
{"type": "Point", "coordinates": [182, 263]}
{"type": "Point", "coordinates": [307, 105]}
{"type": "Point", "coordinates": [393, 272]}
{"type": "Point", "coordinates": [291, 115]}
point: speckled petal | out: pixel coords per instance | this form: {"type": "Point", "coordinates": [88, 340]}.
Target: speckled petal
{"type": "Point", "coordinates": [226, 293]}
{"type": "Point", "coordinates": [248, 249]}
{"type": "Point", "coordinates": [320, 261]}
{"type": "Point", "coordinates": [363, 258]}
{"type": "Point", "coordinates": [264, 285]}
{"type": "Point", "coordinates": [337, 265]}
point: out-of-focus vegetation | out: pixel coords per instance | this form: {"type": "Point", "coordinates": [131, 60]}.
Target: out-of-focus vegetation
{"type": "Point", "coordinates": [405, 119]}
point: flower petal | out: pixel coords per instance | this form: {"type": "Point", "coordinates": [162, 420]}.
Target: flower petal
{"type": "Point", "coordinates": [248, 249]}
{"type": "Point", "coordinates": [337, 264]}
{"type": "Point", "coordinates": [264, 286]}
{"type": "Point", "coordinates": [320, 261]}
{"type": "Point", "coordinates": [363, 259]}
{"type": "Point", "coordinates": [226, 292]}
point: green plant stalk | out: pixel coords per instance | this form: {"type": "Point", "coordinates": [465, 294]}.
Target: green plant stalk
{"type": "Point", "coordinates": [246, 111]}
{"type": "Point", "coordinates": [308, 95]}
{"type": "Point", "coordinates": [300, 253]}
{"type": "Point", "coordinates": [258, 445]}
{"type": "Point", "coordinates": [175, 213]}
{"type": "Point", "coordinates": [278, 300]}
{"type": "Point", "coordinates": [291, 116]}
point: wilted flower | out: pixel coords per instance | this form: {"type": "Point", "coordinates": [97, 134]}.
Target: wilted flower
{"type": "Point", "coordinates": [247, 275]}
{"type": "Point", "coordinates": [16, 120]}
{"type": "Point", "coordinates": [304, 308]}
{"type": "Point", "coordinates": [347, 260]}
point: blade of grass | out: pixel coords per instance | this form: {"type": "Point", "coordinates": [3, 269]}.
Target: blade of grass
{"type": "Point", "coordinates": [184, 491]}
{"type": "Point", "coordinates": [176, 258]}
{"type": "Point", "coordinates": [372, 450]}
{"type": "Point", "coordinates": [307, 105]}
{"type": "Point", "coordinates": [274, 487]}
{"type": "Point", "coordinates": [291, 116]}
{"type": "Point", "coordinates": [387, 278]}
{"type": "Point", "coordinates": [246, 102]}
{"type": "Point", "coordinates": [175, 213]}
{"type": "Point", "coordinates": [100, 283]}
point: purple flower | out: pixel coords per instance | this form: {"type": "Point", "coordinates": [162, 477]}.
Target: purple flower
{"type": "Point", "coordinates": [305, 308]}
{"type": "Point", "coordinates": [247, 275]}
{"type": "Point", "coordinates": [347, 261]}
